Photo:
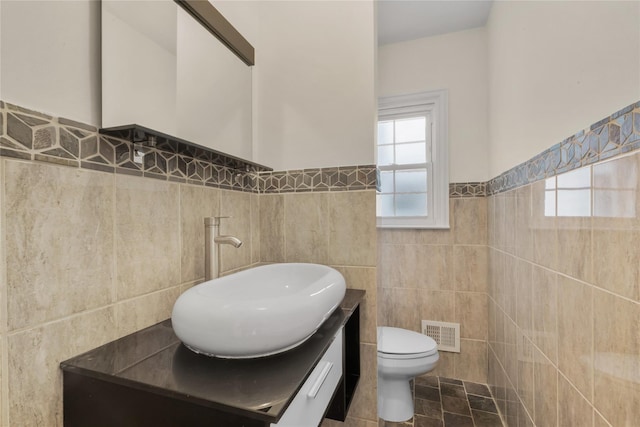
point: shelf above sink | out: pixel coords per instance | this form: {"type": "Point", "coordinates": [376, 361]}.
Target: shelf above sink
{"type": "Point", "coordinates": [137, 134]}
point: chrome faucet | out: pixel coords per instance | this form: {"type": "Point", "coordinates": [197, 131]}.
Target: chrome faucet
{"type": "Point", "coordinates": [211, 250]}
{"type": "Point", "coordinates": [228, 240]}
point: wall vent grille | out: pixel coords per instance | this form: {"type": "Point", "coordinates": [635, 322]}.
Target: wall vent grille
{"type": "Point", "coordinates": [446, 334]}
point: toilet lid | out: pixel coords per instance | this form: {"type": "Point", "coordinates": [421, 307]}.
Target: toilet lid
{"type": "Point", "coordinates": [397, 341]}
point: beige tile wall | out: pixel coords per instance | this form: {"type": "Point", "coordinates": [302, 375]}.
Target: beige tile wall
{"type": "Point", "coordinates": [89, 257]}
{"type": "Point", "coordinates": [440, 275]}
{"type": "Point", "coordinates": [92, 256]}
{"type": "Point", "coordinates": [564, 340]}
{"type": "Point", "coordinates": [559, 288]}
{"type": "Point", "coordinates": [338, 229]}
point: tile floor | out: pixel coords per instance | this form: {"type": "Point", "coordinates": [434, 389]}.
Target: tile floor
{"type": "Point", "coordinates": [447, 402]}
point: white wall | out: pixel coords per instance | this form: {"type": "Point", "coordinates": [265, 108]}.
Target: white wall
{"type": "Point", "coordinates": [51, 57]}
{"type": "Point", "coordinates": [556, 68]}
{"type": "Point", "coordinates": [313, 81]}
{"type": "Point", "coordinates": [457, 62]}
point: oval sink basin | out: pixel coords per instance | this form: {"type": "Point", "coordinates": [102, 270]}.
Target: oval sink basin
{"type": "Point", "coordinates": [257, 312]}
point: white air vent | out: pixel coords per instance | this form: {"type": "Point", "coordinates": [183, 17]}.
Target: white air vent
{"type": "Point", "coordinates": [446, 334]}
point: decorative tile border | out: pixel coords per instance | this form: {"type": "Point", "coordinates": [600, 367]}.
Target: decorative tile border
{"type": "Point", "coordinates": [30, 135]}
{"type": "Point", "coordinates": [467, 189]}
{"type": "Point", "coordinates": [607, 138]}
{"type": "Point", "coordinates": [348, 178]}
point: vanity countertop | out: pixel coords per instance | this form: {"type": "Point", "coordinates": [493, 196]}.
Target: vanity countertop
{"type": "Point", "coordinates": [155, 361]}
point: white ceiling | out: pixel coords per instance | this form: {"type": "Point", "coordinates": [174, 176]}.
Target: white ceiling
{"type": "Point", "coordinates": [400, 20]}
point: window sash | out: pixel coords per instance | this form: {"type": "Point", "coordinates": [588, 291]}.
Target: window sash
{"type": "Point", "coordinates": [433, 106]}
{"type": "Point", "coordinates": [396, 147]}
{"type": "Point", "coordinates": [394, 116]}
{"type": "Point", "coordinates": [428, 193]}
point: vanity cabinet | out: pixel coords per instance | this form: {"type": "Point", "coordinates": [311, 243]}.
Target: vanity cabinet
{"type": "Point", "coordinates": [311, 402]}
{"type": "Point", "coordinates": [150, 378]}
{"type": "Point", "coordinates": [351, 368]}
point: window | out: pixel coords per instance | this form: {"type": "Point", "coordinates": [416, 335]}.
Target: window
{"type": "Point", "coordinates": [413, 161]}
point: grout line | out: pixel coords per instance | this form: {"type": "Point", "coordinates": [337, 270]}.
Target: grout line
{"type": "Point", "coordinates": [4, 320]}
{"type": "Point", "coordinates": [592, 401]}
{"type": "Point", "coordinates": [113, 305]}
{"type": "Point", "coordinates": [595, 411]}
{"type": "Point", "coordinates": [180, 229]}
{"type": "Point", "coordinates": [567, 276]}
{"type": "Point", "coordinates": [557, 340]}
{"type": "Point", "coordinates": [114, 262]}
{"type": "Point", "coordinates": [592, 320]}
{"type": "Point", "coordinates": [284, 227]}
{"type": "Point", "coordinates": [466, 395]}
{"type": "Point", "coordinates": [441, 404]}
{"type": "Point", "coordinates": [560, 373]}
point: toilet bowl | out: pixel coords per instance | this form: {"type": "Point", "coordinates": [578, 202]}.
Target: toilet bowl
{"type": "Point", "coordinates": [402, 355]}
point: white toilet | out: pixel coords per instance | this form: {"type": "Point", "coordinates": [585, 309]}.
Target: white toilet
{"type": "Point", "coordinates": [402, 355]}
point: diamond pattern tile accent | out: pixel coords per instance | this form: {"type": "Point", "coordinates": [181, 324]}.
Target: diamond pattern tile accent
{"type": "Point", "coordinates": [98, 149]}
{"type": "Point", "coordinates": [9, 143]}
{"type": "Point", "coordinates": [20, 131]}
{"type": "Point", "coordinates": [607, 138]}
{"type": "Point", "coordinates": [467, 189]}
{"type": "Point", "coordinates": [325, 179]}
{"type": "Point", "coordinates": [30, 135]}
{"type": "Point", "coordinates": [44, 138]}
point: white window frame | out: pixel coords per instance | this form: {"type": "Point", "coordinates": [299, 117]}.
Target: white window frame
{"type": "Point", "coordinates": [436, 102]}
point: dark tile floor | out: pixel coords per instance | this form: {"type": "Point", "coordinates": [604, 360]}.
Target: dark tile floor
{"type": "Point", "coordinates": [447, 402]}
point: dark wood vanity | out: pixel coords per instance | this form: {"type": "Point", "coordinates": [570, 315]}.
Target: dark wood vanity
{"type": "Point", "coordinates": [150, 378]}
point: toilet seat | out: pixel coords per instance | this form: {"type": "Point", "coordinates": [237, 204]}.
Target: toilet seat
{"type": "Point", "coordinates": [405, 356]}
{"type": "Point", "coordinates": [402, 356]}
{"type": "Point", "coordinates": [397, 343]}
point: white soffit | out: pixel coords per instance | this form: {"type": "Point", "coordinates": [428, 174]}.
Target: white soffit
{"type": "Point", "coordinates": [401, 20]}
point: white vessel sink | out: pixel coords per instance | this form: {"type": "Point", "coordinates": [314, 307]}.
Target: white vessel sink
{"type": "Point", "coordinates": [257, 312]}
